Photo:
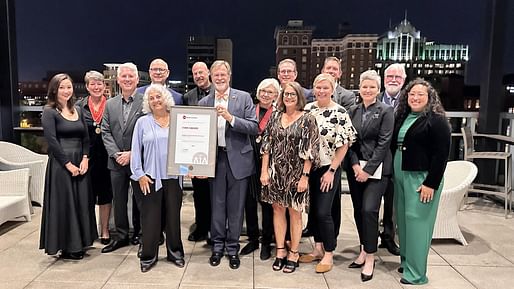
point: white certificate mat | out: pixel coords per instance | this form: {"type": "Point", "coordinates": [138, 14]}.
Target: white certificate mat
{"type": "Point", "coordinates": [192, 141]}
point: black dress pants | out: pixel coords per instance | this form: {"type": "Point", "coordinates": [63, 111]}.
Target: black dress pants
{"type": "Point", "coordinates": [387, 218]}
{"type": "Point", "coordinates": [252, 225]}
{"type": "Point", "coordinates": [151, 214]}
{"type": "Point", "coordinates": [202, 203]}
{"type": "Point", "coordinates": [322, 203]}
{"type": "Point", "coordinates": [120, 180]}
{"type": "Point", "coordinates": [366, 205]}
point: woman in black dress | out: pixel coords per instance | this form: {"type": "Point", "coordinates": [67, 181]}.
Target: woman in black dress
{"type": "Point", "coordinates": [68, 221]}
{"type": "Point", "coordinates": [92, 107]}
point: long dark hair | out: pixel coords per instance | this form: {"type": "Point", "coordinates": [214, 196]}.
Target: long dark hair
{"type": "Point", "coordinates": [53, 88]}
{"type": "Point", "coordinates": [434, 105]}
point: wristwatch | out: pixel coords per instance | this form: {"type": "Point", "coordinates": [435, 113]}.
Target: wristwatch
{"type": "Point", "coordinates": [306, 174]}
{"type": "Point", "coordinates": [332, 170]}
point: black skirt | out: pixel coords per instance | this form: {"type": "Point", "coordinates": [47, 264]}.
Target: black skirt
{"type": "Point", "coordinates": [68, 222]}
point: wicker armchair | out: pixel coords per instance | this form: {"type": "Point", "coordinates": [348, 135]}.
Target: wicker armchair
{"type": "Point", "coordinates": [457, 178]}
{"type": "Point", "coordinates": [13, 156]}
{"type": "Point", "coordinates": [14, 195]}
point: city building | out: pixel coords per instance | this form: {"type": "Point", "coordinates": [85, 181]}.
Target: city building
{"type": "Point", "coordinates": [294, 41]}
{"type": "Point", "coordinates": [206, 49]}
{"type": "Point", "coordinates": [404, 44]}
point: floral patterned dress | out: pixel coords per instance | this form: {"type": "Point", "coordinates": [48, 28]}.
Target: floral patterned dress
{"type": "Point", "coordinates": [288, 148]}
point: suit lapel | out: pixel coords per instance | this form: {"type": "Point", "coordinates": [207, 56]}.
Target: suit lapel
{"type": "Point", "coordinates": [373, 110]}
{"type": "Point", "coordinates": [119, 107]}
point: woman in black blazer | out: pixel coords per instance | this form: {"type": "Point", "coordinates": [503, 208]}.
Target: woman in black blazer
{"type": "Point", "coordinates": [368, 167]}
{"type": "Point", "coordinates": [421, 142]}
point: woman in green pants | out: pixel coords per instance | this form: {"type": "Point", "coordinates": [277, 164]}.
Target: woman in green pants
{"type": "Point", "coordinates": [421, 142]}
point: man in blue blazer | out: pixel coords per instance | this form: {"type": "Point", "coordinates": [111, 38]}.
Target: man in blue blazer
{"type": "Point", "coordinates": [234, 162]}
{"type": "Point", "coordinates": [159, 73]}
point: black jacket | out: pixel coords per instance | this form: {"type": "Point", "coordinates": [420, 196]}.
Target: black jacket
{"type": "Point", "coordinates": [425, 147]}
{"type": "Point", "coordinates": [373, 137]}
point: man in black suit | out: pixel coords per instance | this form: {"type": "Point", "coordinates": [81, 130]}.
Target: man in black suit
{"type": "Point", "coordinates": [119, 118]}
{"type": "Point", "coordinates": [394, 78]}
{"type": "Point", "coordinates": [201, 193]}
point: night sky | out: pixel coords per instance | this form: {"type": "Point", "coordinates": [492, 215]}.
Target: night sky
{"type": "Point", "coordinates": [81, 35]}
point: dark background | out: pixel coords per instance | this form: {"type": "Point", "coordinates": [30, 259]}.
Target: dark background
{"type": "Point", "coordinates": [64, 35]}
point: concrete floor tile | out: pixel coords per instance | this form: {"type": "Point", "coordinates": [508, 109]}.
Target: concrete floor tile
{"type": "Point", "coordinates": [163, 272]}
{"type": "Point", "coordinates": [64, 285]}
{"type": "Point", "coordinates": [343, 277]}
{"type": "Point", "coordinates": [24, 264]}
{"type": "Point", "coordinates": [112, 285]}
{"type": "Point", "coordinates": [13, 284]}
{"type": "Point", "coordinates": [94, 267]}
{"type": "Point", "coordinates": [444, 277]}
{"type": "Point", "coordinates": [303, 277]}
{"type": "Point", "coordinates": [487, 277]}
{"type": "Point", "coordinates": [477, 253]}
{"type": "Point", "coordinates": [220, 275]}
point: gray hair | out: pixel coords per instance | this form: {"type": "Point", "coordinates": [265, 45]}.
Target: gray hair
{"type": "Point", "coordinates": [397, 66]}
{"type": "Point", "coordinates": [332, 58]}
{"type": "Point", "coordinates": [370, 75]}
{"type": "Point", "coordinates": [163, 91]}
{"type": "Point", "coordinates": [219, 63]}
{"type": "Point", "coordinates": [327, 77]}
{"type": "Point", "coordinates": [93, 75]}
{"type": "Point", "coordinates": [130, 66]}
{"type": "Point", "coordinates": [287, 60]}
{"type": "Point", "coordinates": [268, 82]}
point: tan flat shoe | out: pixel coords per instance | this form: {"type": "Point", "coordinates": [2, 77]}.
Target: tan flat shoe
{"type": "Point", "coordinates": [323, 268]}
{"type": "Point", "coordinates": [308, 258]}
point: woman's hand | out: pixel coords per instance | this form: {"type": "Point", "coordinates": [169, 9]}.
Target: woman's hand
{"type": "Point", "coordinates": [303, 184]}
{"type": "Point", "coordinates": [426, 194]}
{"type": "Point", "coordinates": [73, 169]}
{"type": "Point", "coordinates": [144, 184]}
{"type": "Point", "coordinates": [360, 175]}
{"type": "Point", "coordinates": [264, 178]}
{"type": "Point", "coordinates": [327, 181]}
{"type": "Point", "coordinates": [84, 166]}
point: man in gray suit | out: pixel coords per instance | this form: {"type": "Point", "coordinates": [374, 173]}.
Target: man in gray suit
{"type": "Point", "coordinates": [201, 195]}
{"type": "Point", "coordinates": [342, 96]}
{"type": "Point", "coordinates": [119, 118]}
{"type": "Point", "coordinates": [394, 78]}
{"type": "Point", "coordinates": [234, 162]}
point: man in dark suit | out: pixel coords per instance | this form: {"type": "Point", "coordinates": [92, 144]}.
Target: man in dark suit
{"type": "Point", "coordinates": [394, 78]}
{"type": "Point", "coordinates": [234, 162]}
{"type": "Point", "coordinates": [159, 73]}
{"type": "Point", "coordinates": [201, 194]}
{"type": "Point", "coordinates": [342, 96]}
{"type": "Point", "coordinates": [120, 115]}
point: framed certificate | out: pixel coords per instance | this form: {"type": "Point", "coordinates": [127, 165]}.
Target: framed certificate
{"type": "Point", "coordinates": [192, 141]}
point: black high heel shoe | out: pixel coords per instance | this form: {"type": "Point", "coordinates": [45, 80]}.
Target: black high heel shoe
{"type": "Point", "coordinates": [279, 262]}
{"type": "Point", "coordinates": [365, 277]}
{"type": "Point", "coordinates": [105, 241]}
{"type": "Point", "coordinates": [291, 265]}
{"type": "Point", "coordinates": [355, 265]}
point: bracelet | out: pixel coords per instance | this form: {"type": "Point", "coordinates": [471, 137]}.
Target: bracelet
{"type": "Point", "coordinates": [306, 174]}
{"type": "Point", "coordinates": [332, 170]}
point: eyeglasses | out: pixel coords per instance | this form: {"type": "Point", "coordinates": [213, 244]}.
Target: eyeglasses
{"type": "Point", "coordinates": [160, 70]}
{"type": "Point", "coordinates": [266, 92]}
{"type": "Point", "coordinates": [286, 71]}
{"type": "Point", "coordinates": [290, 94]}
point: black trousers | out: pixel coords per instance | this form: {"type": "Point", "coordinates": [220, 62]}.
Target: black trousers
{"type": "Point", "coordinates": [336, 213]}
{"type": "Point", "coordinates": [170, 197]}
{"type": "Point", "coordinates": [252, 225]}
{"type": "Point", "coordinates": [120, 180]}
{"type": "Point", "coordinates": [366, 205]}
{"type": "Point", "coordinates": [387, 218]}
{"type": "Point", "coordinates": [202, 202]}
{"type": "Point", "coordinates": [321, 208]}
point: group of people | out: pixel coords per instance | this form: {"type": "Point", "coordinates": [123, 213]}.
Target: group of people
{"type": "Point", "coordinates": [286, 152]}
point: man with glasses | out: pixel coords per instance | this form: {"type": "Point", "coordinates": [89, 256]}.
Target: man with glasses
{"type": "Point", "coordinates": [287, 72]}
{"type": "Point", "coordinates": [394, 78]}
{"type": "Point", "coordinates": [159, 73]}
{"type": "Point", "coordinates": [235, 162]}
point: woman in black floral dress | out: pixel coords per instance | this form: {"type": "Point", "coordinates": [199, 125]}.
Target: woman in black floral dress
{"type": "Point", "coordinates": [290, 145]}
